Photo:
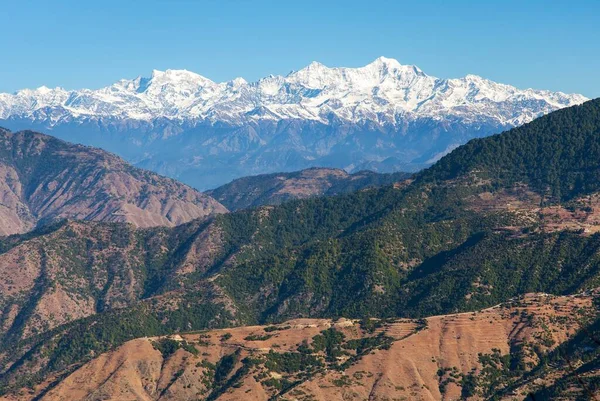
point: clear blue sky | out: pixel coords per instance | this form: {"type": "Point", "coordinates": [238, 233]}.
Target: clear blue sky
{"type": "Point", "coordinates": [547, 44]}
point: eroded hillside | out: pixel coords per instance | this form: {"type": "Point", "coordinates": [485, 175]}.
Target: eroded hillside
{"type": "Point", "coordinates": [475, 355]}
{"type": "Point", "coordinates": [43, 179]}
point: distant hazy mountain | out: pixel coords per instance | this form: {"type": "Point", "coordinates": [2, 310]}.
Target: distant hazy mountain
{"type": "Point", "coordinates": [273, 189]}
{"type": "Point", "coordinates": [385, 116]}
{"type": "Point", "coordinates": [43, 179]}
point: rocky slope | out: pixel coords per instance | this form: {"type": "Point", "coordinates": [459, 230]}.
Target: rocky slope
{"type": "Point", "coordinates": [384, 116]}
{"type": "Point", "coordinates": [500, 352]}
{"type": "Point", "coordinates": [273, 189]}
{"type": "Point", "coordinates": [44, 179]}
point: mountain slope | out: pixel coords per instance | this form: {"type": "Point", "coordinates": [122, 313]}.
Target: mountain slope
{"type": "Point", "coordinates": [384, 115]}
{"type": "Point", "coordinates": [556, 155]}
{"type": "Point", "coordinates": [445, 243]}
{"type": "Point", "coordinates": [460, 356]}
{"type": "Point", "coordinates": [273, 189]}
{"type": "Point", "coordinates": [73, 270]}
{"type": "Point", "coordinates": [45, 179]}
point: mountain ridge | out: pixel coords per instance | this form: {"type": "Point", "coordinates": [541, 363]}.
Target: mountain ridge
{"type": "Point", "coordinates": [384, 117]}
{"type": "Point", "coordinates": [46, 179]}
{"type": "Point", "coordinates": [273, 189]}
{"type": "Point", "coordinates": [495, 352]}
{"type": "Point", "coordinates": [383, 87]}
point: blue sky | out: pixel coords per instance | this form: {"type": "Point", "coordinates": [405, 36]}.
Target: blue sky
{"type": "Point", "coordinates": [541, 44]}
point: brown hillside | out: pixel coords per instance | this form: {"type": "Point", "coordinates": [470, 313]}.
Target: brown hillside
{"type": "Point", "coordinates": [83, 268]}
{"type": "Point", "coordinates": [428, 359]}
{"type": "Point", "coordinates": [44, 179]}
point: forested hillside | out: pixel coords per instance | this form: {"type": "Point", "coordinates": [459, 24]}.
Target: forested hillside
{"type": "Point", "coordinates": [475, 230]}
{"type": "Point", "coordinates": [556, 155]}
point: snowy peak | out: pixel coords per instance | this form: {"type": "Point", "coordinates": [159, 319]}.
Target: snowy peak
{"type": "Point", "coordinates": [385, 61]}
{"type": "Point", "coordinates": [317, 75]}
{"type": "Point", "coordinates": [174, 80]}
{"type": "Point", "coordinates": [388, 66]}
{"type": "Point", "coordinates": [383, 91]}
{"type": "Point", "coordinates": [178, 78]}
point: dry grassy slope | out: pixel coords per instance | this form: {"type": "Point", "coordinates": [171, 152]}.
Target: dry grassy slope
{"type": "Point", "coordinates": [582, 214]}
{"type": "Point", "coordinates": [43, 178]}
{"type": "Point", "coordinates": [405, 370]}
{"type": "Point", "coordinates": [83, 268]}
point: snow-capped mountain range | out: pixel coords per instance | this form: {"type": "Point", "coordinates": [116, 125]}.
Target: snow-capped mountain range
{"type": "Point", "coordinates": [384, 115]}
{"type": "Point", "coordinates": [383, 91]}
